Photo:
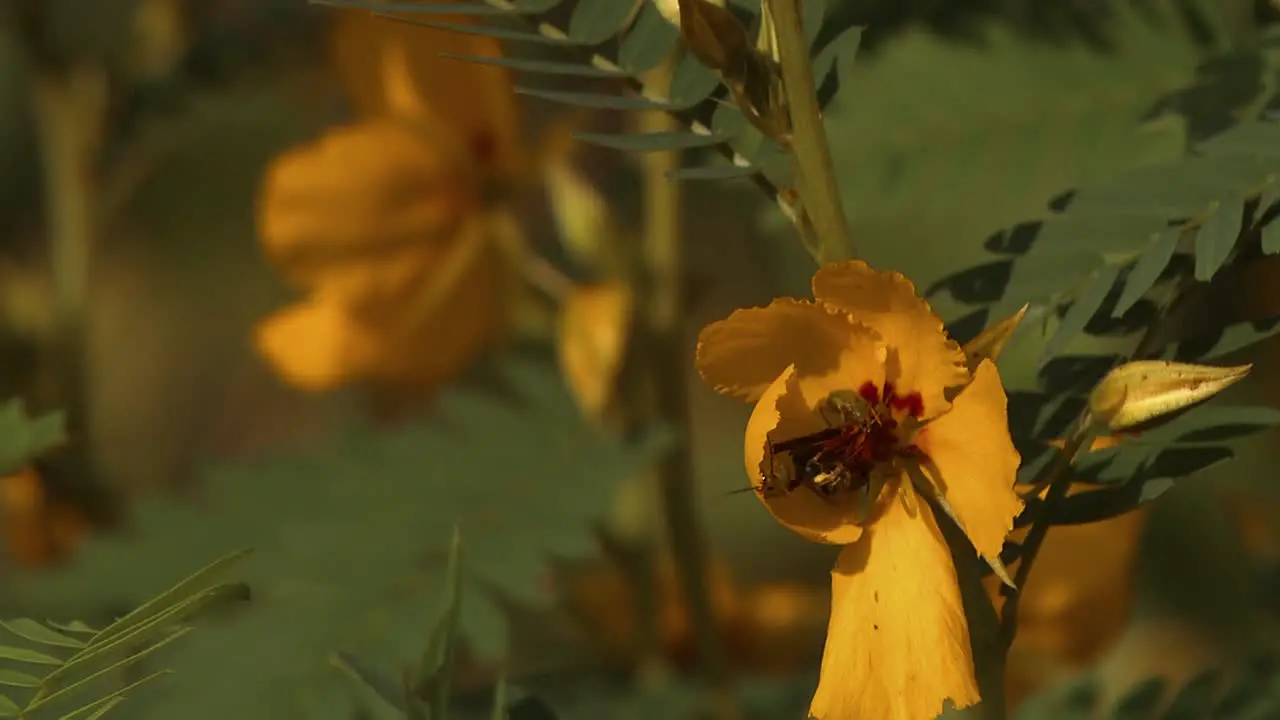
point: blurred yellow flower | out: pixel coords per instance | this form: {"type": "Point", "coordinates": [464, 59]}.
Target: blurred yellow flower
{"type": "Point", "coordinates": [591, 340]}
{"type": "Point", "coordinates": [37, 530]}
{"type": "Point", "coordinates": [385, 224]}
{"type": "Point", "coordinates": [851, 420]}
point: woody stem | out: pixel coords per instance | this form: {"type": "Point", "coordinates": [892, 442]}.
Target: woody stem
{"type": "Point", "coordinates": [1058, 481]}
{"type": "Point", "coordinates": [821, 212]}
{"type": "Point", "coordinates": [661, 332]}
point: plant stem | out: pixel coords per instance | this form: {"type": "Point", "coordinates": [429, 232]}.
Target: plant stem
{"type": "Point", "coordinates": [667, 356]}
{"type": "Point", "coordinates": [69, 106]}
{"type": "Point", "coordinates": [1058, 480]}
{"type": "Point", "coordinates": [815, 173]}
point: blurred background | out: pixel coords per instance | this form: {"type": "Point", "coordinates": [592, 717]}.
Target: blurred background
{"type": "Point", "coordinates": [191, 187]}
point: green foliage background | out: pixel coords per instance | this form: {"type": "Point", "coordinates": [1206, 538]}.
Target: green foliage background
{"type": "Point", "coordinates": [947, 129]}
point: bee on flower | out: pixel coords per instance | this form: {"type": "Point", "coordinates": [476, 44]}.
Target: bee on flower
{"type": "Point", "coordinates": [867, 417]}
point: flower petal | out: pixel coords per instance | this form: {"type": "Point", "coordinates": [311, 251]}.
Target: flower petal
{"type": "Point", "coordinates": [790, 409]}
{"type": "Point", "coordinates": [897, 642]}
{"type": "Point", "coordinates": [393, 68]}
{"type": "Point", "coordinates": [361, 191]}
{"type": "Point", "coordinates": [315, 345]}
{"type": "Point", "coordinates": [973, 461]}
{"type": "Point", "coordinates": [743, 354]}
{"type": "Point", "coordinates": [921, 357]}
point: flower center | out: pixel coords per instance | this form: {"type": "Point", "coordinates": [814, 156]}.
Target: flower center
{"type": "Point", "coordinates": [864, 431]}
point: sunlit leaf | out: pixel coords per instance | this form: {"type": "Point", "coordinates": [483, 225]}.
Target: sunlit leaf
{"type": "Point", "coordinates": [37, 633]}
{"type": "Point", "coordinates": [1216, 238]}
{"type": "Point", "coordinates": [1154, 259]}
{"type": "Point", "coordinates": [1084, 307]}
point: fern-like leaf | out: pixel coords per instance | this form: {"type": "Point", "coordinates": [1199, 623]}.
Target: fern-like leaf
{"type": "Point", "coordinates": [349, 541]}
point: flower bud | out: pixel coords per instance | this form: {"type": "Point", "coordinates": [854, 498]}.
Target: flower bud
{"type": "Point", "coordinates": [1137, 392]}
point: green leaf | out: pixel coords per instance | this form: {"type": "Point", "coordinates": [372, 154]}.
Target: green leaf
{"type": "Point", "coordinates": [1224, 340]}
{"type": "Point", "coordinates": [349, 541]}
{"type": "Point", "coordinates": [1141, 701]}
{"type": "Point", "coordinates": [1216, 238]}
{"type": "Point", "coordinates": [597, 101]}
{"type": "Point", "coordinates": [544, 67]}
{"type": "Point", "coordinates": [23, 438]}
{"type": "Point", "coordinates": [100, 707]}
{"type": "Point", "coordinates": [43, 699]}
{"type": "Point", "coordinates": [1147, 270]}
{"type": "Point", "coordinates": [718, 171]}
{"type": "Point", "coordinates": [1196, 698]}
{"type": "Point", "coordinates": [1082, 310]}
{"type": "Point", "coordinates": [171, 601]}
{"type": "Point", "coordinates": [967, 138]}
{"type": "Point", "coordinates": [384, 689]}
{"type": "Point", "coordinates": [13, 678]}
{"type": "Point", "coordinates": [416, 8]}
{"type": "Point", "coordinates": [1104, 234]}
{"type": "Point", "coordinates": [8, 652]}
{"type": "Point", "coordinates": [651, 39]}
{"type": "Point", "coordinates": [37, 633]}
{"type": "Point", "coordinates": [8, 708]}
{"type": "Point", "coordinates": [496, 32]}
{"type": "Point", "coordinates": [1216, 421]}
{"type": "Point", "coordinates": [651, 141]}
{"type": "Point", "coordinates": [1271, 237]}
{"type": "Point", "coordinates": [95, 712]}
{"type": "Point", "coordinates": [437, 667]}
{"type": "Point", "coordinates": [594, 21]}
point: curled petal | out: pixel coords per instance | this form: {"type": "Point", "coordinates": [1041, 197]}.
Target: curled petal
{"type": "Point", "coordinates": [973, 462]}
{"type": "Point", "coordinates": [897, 642]}
{"type": "Point", "coordinates": [921, 357]}
{"type": "Point", "coordinates": [361, 192]}
{"type": "Point", "coordinates": [315, 345]}
{"type": "Point", "coordinates": [789, 409]}
{"type": "Point", "coordinates": [743, 354]}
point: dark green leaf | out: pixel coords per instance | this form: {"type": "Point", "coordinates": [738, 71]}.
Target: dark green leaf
{"type": "Point", "coordinates": [1216, 238]}
{"type": "Point", "coordinates": [545, 67]}
{"type": "Point", "coordinates": [596, 100]}
{"type": "Point", "coordinates": [437, 667]}
{"type": "Point", "coordinates": [494, 31]}
{"type": "Point", "coordinates": [97, 711]}
{"type": "Point", "coordinates": [8, 708]}
{"type": "Point", "coordinates": [70, 688]}
{"type": "Point", "coordinates": [1214, 422]}
{"type": "Point", "coordinates": [99, 707]}
{"type": "Point", "coordinates": [1227, 340]}
{"type": "Point", "coordinates": [37, 633]}
{"type": "Point", "coordinates": [1147, 270]}
{"type": "Point", "coordinates": [691, 83]}
{"type": "Point", "coordinates": [500, 702]}
{"type": "Point", "coordinates": [1248, 138]}
{"type": "Point", "coordinates": [719, 171]}
{"type": "Point", "coordinates": [1271, 237]}
{"type": "Point", "coordinates": [1195, 699]}
{"type": "Point", "coordinates": [594, 21]}
{"type": "Point", "coordinates": [1045, 274]}
{"type": "Point", "coordinates": [1093, 506]}
{"type": "Point", "coordinates": [1082, 310]}
{"type": "Point", "coordinates": [416, 8]}
{"type": "Point", "coordinates": [1141, 702]}
{"type": "Point", "coordinates": [650, 142]}
{"type": "Point", "coordinates": [650, 41]}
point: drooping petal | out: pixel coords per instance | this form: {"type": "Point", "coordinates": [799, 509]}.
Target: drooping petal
{"type": "Point", "coordinates": [973, 462]}
{"type": "Point", "coordinates": [790, 409]}
{"type": "Point", "coordinates": [743, 354]}
{"type": "Point", "coordinates": [921, 357]}
{"type": "Point", "coordinates": [315, 345]}
{"type": "Point", "coordinates": [897, 642]}
{"type": "Point", "coordinates": [361, 190]}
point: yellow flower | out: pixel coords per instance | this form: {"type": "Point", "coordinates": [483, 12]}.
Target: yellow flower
{"type": "Point", "coordinates": [384, 223]}
{"type": "Point", "coordinates": [851, 420]}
